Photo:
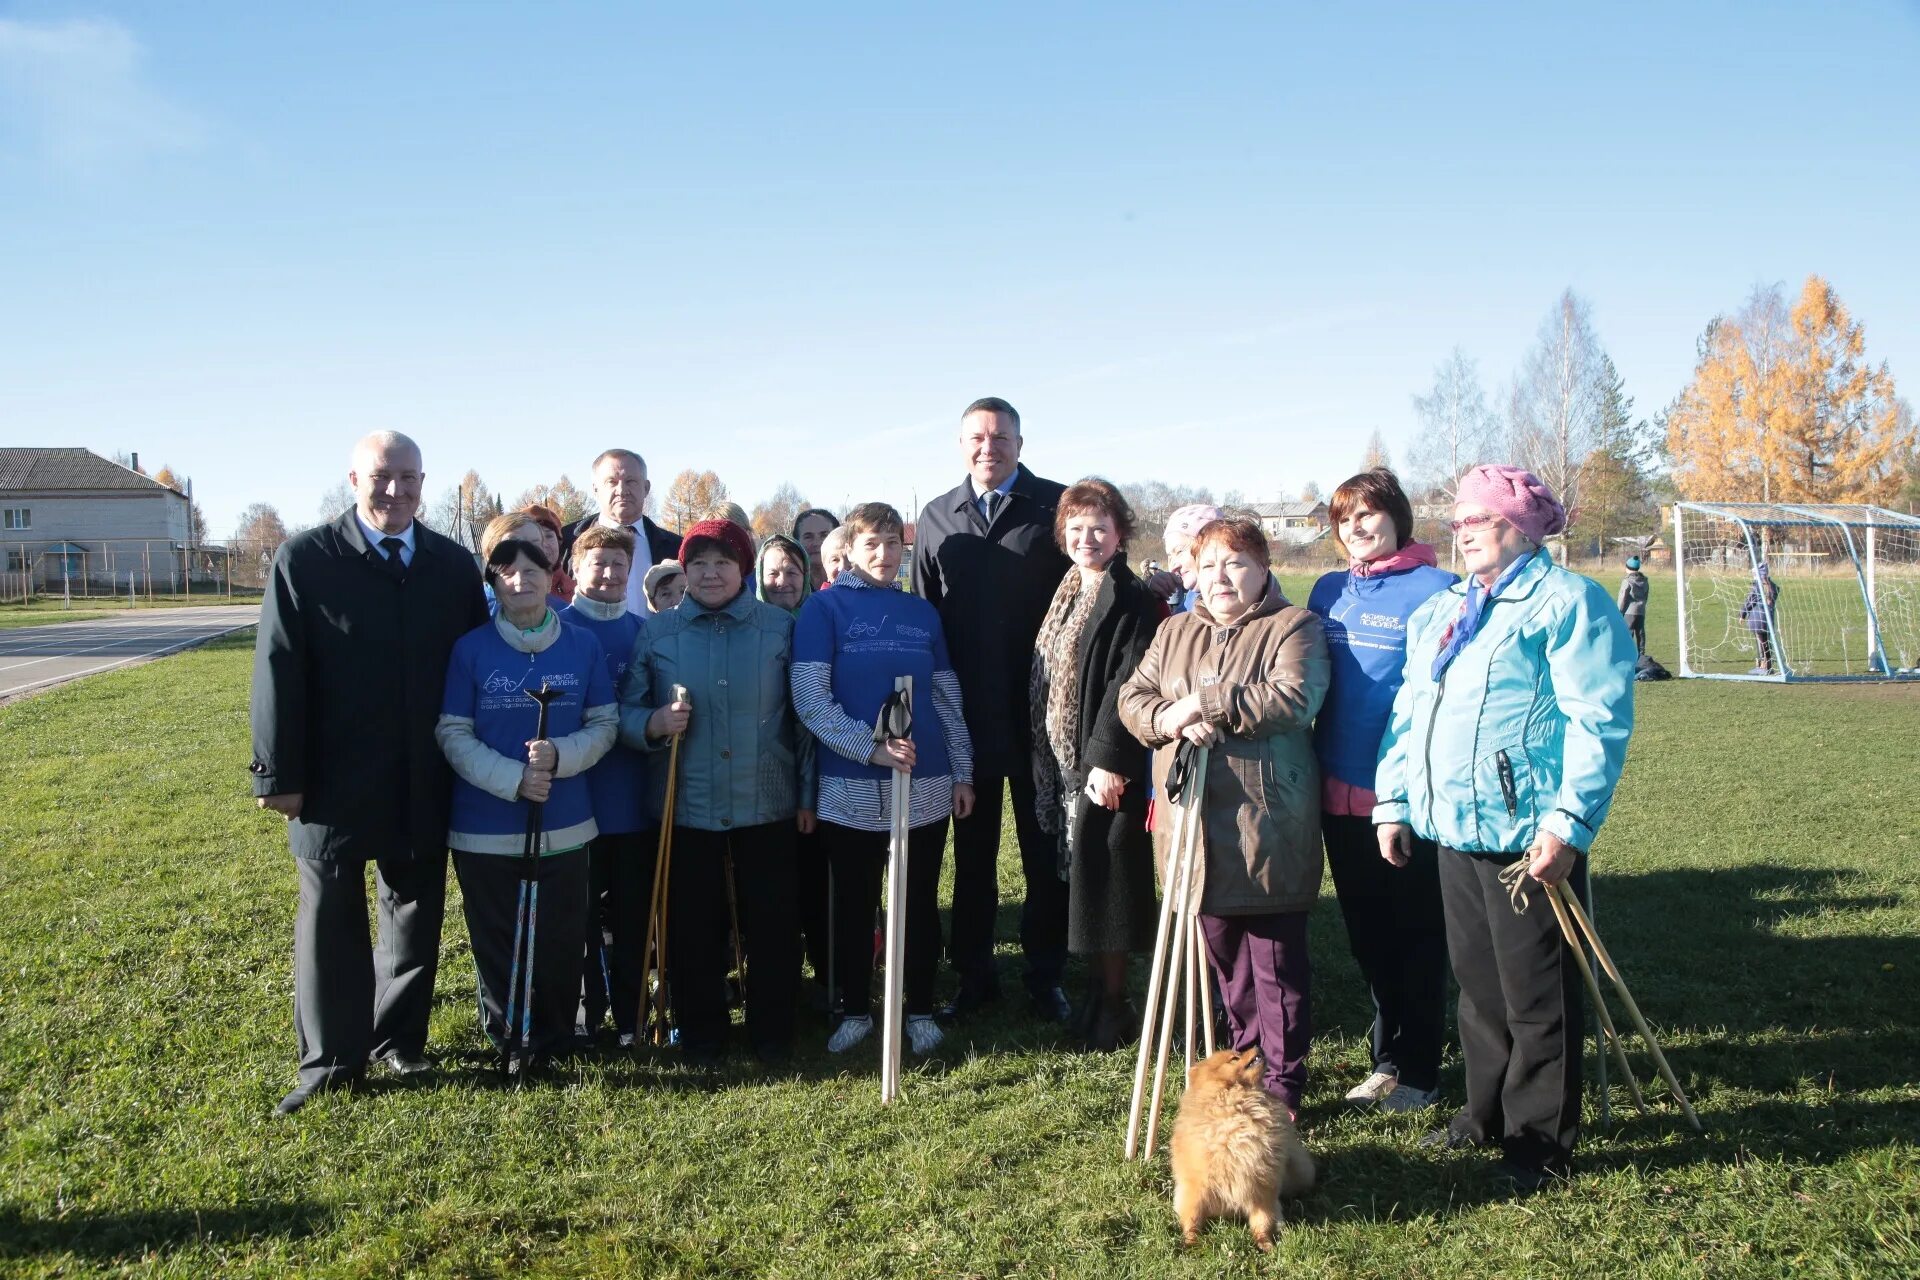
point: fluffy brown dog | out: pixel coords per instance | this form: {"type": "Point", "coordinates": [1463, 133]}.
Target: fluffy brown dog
{"type": "Point", "coordinates": [1235, 1153]}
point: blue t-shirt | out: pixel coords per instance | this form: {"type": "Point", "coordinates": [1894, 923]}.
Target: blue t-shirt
{"type": "Point", "coordinates": [869, 635]}
{"type": "Point", "coordinates": [487, 680]}
{"type": "Point", "coordinates": [618, 784]}
{"type": "Point", "coordinates": [1366, 624]}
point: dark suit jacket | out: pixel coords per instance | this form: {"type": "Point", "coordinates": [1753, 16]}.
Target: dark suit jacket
{"type": "Point", "coordinates": [992, 587]}
{"type": "Point", "coordinates": [662, 544]}
{"type": "Point", "coordinates": [349, 671]}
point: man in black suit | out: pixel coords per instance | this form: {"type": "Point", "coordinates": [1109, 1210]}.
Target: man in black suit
{"type": "Point", "coordinates": [984, 554]}
{"type": "Point", "coordinates": [349, 671]}
{"type": "Point", "coordinates": [620, 486]}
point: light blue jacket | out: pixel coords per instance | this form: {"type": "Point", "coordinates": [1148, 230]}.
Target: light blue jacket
{"type": "Point", "coordinates": [745, 759]}
{"type": "Point", "coordinates": [1525, 731]}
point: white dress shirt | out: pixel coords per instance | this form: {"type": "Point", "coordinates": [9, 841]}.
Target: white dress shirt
{"type": "Point", "coordinates": [374, 537]}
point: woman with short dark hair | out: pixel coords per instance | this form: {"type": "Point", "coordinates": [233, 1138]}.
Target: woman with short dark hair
{"type": "Point", "coordinates": [1394, 924]}
{"type": "Point", "coordinates": [487, 731]}
{"type": "Point", "coordinates": [1088, 788]}
{"type": "Point", "coordinates": [1243, 673]}
{"type": "Point", "coordinates": [810, 529]}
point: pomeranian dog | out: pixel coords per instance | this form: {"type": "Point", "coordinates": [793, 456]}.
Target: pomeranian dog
{"type": "Point", "coordinates": [1235, 1153]}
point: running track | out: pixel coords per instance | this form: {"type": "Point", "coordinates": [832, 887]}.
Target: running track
{"type": "Point", "coordinates": [34, 658]}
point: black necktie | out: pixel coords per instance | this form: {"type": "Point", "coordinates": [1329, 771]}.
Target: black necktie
{"type": "Point", "coordinates": [396, 567]}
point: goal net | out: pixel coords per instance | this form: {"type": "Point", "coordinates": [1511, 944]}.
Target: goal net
{"type": "Point", "coordinates": [1779, 591]}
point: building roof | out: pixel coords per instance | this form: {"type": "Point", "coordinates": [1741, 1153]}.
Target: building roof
{"type": "Point", "coordinates": [44, 469]}
{"type": "Point", "coordinates": [1284, 510]}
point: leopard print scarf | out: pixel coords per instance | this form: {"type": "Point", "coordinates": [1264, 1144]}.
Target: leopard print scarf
{"type": "Point", "coordinates": [1053, 687]}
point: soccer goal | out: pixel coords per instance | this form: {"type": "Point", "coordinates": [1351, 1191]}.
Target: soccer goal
{"type": "Point", "coordinates": [1782, 591]}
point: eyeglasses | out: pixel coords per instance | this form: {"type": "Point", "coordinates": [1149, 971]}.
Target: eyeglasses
{"type": "Point", "coordinates": [1474, 524]}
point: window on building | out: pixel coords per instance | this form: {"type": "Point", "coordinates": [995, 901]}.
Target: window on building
{"type": "Point", "coordinates": [19, 518]}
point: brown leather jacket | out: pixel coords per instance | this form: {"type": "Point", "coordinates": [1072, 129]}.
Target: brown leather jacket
{"type": "Point", "coordinates": [1261, 681]}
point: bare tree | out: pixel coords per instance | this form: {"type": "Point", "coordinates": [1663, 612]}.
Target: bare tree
{"type": "Point", "coordinates": [1310, 492]}
{"type": "Point", "coordinates": [1376, 455]}
{"type": "Point", "coordinates": [1152, 502]}
{"type": "Point", "coordinates": [1559, 399]}
{"type": "Point", "coordinates": [463, 510]}
{"type": "Point", "coordinates": [256, 537]}
{"type": "Point", "coordinates": [335, 501]}
{"type": "Point", "coordinates": [1456, 431]}
{"type": "Point", "coordinates": [776, 514]}
{"type": "Point", "coordinates": [564, 498]}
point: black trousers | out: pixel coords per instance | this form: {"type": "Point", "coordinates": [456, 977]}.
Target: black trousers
{"type": "Point", "coordinates": [976, 888]}
{"type": "Point", "coordinates": [352, 1000]}
{"type": "Point", "coordinates": [620, 881]}
{"type": "Point", "coordinates": [1637, 628]}
{"type": "Point", "coordinates": [811, 870]}
{"type": "Point", "coordinates": [699, 945]}
{"type": "Point", "coordinates": [859, 860]}
{"type": "Point", "coordinates": [490, 893]}
{"type": "Point", "coordinates": [1521, 1028]}
{"type": "Point", "coordinates": [1398, 934]}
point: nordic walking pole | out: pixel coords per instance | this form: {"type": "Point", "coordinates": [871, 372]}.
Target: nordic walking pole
{"type": "Point", "coordinates": [1633, 1008]}
{"type": "Point", "coordinates": [733, 917]}
{"type": "Point", "coordinates": [526, 914]}
{"type": "Point", "coordinates": [1192, 798]}
{"type": "Point", "coordinates": [1200, 964]}
{"type": "Point", "coordinates": [895, 721]}
{"type": "Point", "coordinates": [1148, 1020]}
{"type": "Point", "coordinates": [1611, 1036]}
{"type": "Point", "coordinates": [655, 948]}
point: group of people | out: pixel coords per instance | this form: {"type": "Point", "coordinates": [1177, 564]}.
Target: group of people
{"type": "Point", "coordinates": [1415, 732]}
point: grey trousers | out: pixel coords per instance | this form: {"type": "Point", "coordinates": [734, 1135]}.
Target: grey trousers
{"type": "Point", "coordinates": [353, 1001]}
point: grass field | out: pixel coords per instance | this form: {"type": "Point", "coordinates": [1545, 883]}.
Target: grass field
{"type": "Point", "coordinates": [1759, 882]}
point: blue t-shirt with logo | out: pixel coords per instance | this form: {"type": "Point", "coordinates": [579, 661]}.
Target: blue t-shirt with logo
{"type": "Point", "coordinates": [618, 784]}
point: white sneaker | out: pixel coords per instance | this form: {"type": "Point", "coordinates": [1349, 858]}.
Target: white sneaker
{"type": "Point", "coordinates": [849, 1033]}
{"type": "Point", "coordinates": [923, 1033]}
{"type": "Point", "coordinates": [1405, 1097]}
{"type": "Point", "coordinates": [1375, 1087]}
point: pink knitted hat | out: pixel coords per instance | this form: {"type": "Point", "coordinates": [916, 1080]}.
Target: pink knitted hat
{"type": "Point", "coordinates": [1189, 520]}
{"type": "Point", "coordinates": [1517, 495]}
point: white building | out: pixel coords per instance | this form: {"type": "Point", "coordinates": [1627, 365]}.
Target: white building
{"type": "Point", "coordinates": [70, 513]}
{"type": "Point", "coordinates": [1291, 523]}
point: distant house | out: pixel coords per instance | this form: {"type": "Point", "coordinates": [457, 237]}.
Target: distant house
{"type": "Point", "coordinates": [71, 514]}
{"type": "Point", "coordinates": [1291, 523]}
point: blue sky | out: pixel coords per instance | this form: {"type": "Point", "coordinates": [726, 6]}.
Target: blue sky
{"type": "Point", "coordinates": [1210, 244]}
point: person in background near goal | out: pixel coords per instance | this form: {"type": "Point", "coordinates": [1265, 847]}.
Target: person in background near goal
{"type": "Point", "coordinates": [1394, 924]}
{"type": "Point", "coordinates": [986, 559]}
{"type": "Point", "coordinates": [744, 793]}
{"type": "Point", "coordinates": [1633, 603]}
{"type": "Point", "coordinates": [1759, 611]}
{"type": "Point", "coordinates": [487, 730]}
{"type": "Point", "coordinates": [1504, 746]}
{"type": "Point", "coordinates": [620, 859]}
{"type": "Point", "coordinates": [359, 619]}
{"type": "Point", "coordinates": [1243, 673]}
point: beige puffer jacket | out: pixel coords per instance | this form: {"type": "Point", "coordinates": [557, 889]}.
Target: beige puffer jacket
{"type": "Point", "coordinates": [1261, 680]}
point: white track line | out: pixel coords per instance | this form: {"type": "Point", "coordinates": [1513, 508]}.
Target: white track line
{"type": "Point", "coordinates": [188, 643]}
{"type": "Point", "coordinates": [125, 633]}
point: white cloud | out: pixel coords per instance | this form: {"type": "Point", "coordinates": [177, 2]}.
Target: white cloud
{"type": "Point", "coordinates": [74, 90]}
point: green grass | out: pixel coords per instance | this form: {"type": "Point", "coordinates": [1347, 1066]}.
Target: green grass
{"type": "Point", "coordinates": [1760, 875]}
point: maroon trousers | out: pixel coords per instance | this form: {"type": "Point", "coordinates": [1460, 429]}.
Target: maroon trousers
{"type": "Point", "coordinates": [1266, 981]}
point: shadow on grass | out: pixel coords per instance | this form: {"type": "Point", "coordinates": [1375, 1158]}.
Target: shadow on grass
{"type": "Point", "coordinates": [103, 1236]}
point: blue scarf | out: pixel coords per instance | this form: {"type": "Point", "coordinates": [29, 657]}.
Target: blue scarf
{"type": "Point", "coordinates": [1473, 611]}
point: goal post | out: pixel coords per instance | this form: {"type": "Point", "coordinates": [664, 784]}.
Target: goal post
{"type": "Point", "coordinates": [1783, 592]}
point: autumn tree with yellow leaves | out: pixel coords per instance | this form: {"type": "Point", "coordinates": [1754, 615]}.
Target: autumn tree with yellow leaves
{"type": "Point", "coordinates": [1785, 407]}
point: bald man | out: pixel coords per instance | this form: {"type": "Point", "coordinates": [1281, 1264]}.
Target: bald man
{"type": "Point", "coordinates": [349, 669]}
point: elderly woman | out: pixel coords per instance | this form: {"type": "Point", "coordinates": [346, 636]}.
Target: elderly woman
{"type": "Point", "coordinates": [550, 535]}
{"type": "Point", "coordinates": [745, 790]}
{"type": "Point", "coordinates": [1394, 925]}
{"type": "Point", "coordinates": [780, 574]}
{"type": "Point", "coordinates": [1087, 785]}
{"type": "Point", "coordinates": [833, 555]}
{"type": "Point", "coordinates": [1182, 525]}
{"type": "Point", "coordinates": [1243, 673]}
{"type": "Point", "coordinates": [810, 529]}
{"type": "Point", "coordinates": [665, 586]}
{"type": "Point", "coordinates": [487, 731]}
{"type": "Point", "coordinates": [1504, 746]}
